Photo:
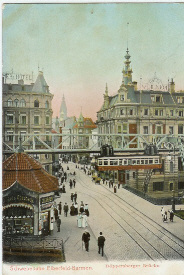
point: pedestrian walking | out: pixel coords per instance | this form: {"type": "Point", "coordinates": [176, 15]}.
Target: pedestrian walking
{"type": "Point", "coordinates": [72, 196]}
{"type": "Point", "coordinates": [79, 220]}
{"type": "Point", "coordinates": [84, 220]}
{"type": "Point", "coordinates": [165, 217]}
{"type": "Point", "coordinates": [109, 184]}
{"type": "Point", "coordinates": [115, 189]}
{"type": "Point", "coordinates": [71, 184]}
{"type": "Point", "coordinates": [72, 210]}
{"type": "Point", "coordinates": [162, 211]}
{"type": "Point", "coordinates": [101, 241]}
{"type": "Point", "coordinates": [112, 183]}
{"type": "Point", "coordinates": [65, 208]}
{"type": "Point", "coordinates": [86, 210]}
{"type": "Point", "coordinates": [55, 214]}
{"type": "Point", "coordinates": [86, 239]}
{"type": "Point", "coordinates": [60, 207]}
{"type": "Point", "coordinates": [118, 185]}
{"type": "Point", "coordinates": [58, 224]}
{"type": "Point", "coordinates": [76, 208]}
{"type": "Point", "coordinates": [75, 197]}
{"type": "Point", "coordinates": [103, 181]}
{"type": "Point", "coordinates": [171, 215]}
{"type": "Point", "coordinates": [74, 182]}
{"type": "Point", "coordinates": [81, 207]}
{"type": "Point", "coordinates": [64, 191]}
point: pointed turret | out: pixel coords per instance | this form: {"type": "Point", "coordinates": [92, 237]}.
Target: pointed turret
{"type": "Point", "coordinates": [106, 98]}
{"type": "Point", "coordinates": [127, 71]}
{"type": "Point", "coordinates": [40, 85]}
{"type": "Point", "coordinates": [81, 118]}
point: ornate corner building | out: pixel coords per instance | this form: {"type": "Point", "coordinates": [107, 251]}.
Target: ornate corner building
{"type": "Point", "coordinates": [153, 109]}
{"type": "Point", "coordinates": [27, 110]}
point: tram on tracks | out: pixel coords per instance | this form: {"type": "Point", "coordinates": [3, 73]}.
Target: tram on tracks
{"type": "Point", "coordinates": [133, 162]}
{"type": "Point", "coordinates": [148, 160]}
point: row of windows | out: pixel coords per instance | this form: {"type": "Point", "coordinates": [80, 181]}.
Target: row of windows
{"type": "Point", "coordinates": [24, 135]}
{"type": "Point", "coordinates": [144, 161]}
{"type": "Point", "coordinates": [23, 119]}
{"type": "Point", "coordinates": [131, 112]}
{"type": "Point", "coordinates": [159, 186]}
{"type": "Point", "coordinates": [22, 103]}
{"type": "Point", "coordinates": [159, 129]}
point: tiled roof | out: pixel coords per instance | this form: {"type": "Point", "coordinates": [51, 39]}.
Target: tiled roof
{"type": "Point", "coordinates": [85, 125]}
{"type": "Point", "coordinates": [29, 173]}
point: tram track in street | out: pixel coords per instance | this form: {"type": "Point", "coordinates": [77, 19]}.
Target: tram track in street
{"type": "Point", "coordinates": [119, 200]}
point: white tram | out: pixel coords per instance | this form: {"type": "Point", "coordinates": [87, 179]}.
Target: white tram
{"type": "Point", "coordinates": [130, 162]}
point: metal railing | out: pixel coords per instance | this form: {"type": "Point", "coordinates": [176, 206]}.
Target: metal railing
{"type": "Point", "coordinates": [33, 246]}
{"type": "Point", "coordinates": [33, 143]}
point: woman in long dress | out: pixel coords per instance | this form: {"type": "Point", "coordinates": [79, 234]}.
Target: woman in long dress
{"type": "Point", "coordinates": [76, 208]}
{"type": "Point", "coordinates": [84, 220]}
{"type": "Point", "coordinates": [79, 220]}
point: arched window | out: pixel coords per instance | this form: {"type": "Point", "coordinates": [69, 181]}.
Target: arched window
{"type": "Point", "coordinates": [22, 103]}
{"type": "Point", "coordinates": [16, 103]}
{"type": "Point", "coordinates": [46, 104]}
{"type": "Point", "coordinates": [36, 103]}
{"type": "Point", "coordinates": [10, 103]}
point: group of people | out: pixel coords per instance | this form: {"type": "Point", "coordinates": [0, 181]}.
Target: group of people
{"type": "Point", "coordinates": [101, 241]}
{"type": "Point", "coordinates": [82, 220]}
{"type": "Point", "coordinates": [164, 215]}
{"type": "Point", "coordinates": [81, 211]}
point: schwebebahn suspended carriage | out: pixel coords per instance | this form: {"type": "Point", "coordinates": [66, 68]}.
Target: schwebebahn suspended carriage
{"type": "Point", "coordinates": [129, 162]}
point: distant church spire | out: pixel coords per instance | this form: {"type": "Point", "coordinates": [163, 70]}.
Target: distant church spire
{"type": "Point", "coordinates": [63, 109]}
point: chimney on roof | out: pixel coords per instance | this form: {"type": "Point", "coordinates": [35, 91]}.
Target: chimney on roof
{"type": "Point", "coordinates": [21, 82]}
{"type": "Point", "coordinates": [135, 85]}
{"type": "Point", "coordinates": [172, 86]}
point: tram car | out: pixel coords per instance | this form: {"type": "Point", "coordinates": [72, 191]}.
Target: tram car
{"type": "Point", "coordinates": [129, 162]}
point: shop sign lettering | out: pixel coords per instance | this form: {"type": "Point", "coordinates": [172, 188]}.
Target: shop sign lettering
{"type": "Point", "coordinates": [47, 199]}
{"type": "Point", "coordinates": [19, 198]}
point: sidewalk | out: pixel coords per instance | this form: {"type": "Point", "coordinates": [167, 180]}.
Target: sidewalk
{"type": "Point", "coordinates": [72, 235]}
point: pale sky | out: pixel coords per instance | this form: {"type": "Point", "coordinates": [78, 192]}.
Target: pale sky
{"type": "Point", "coordinates": [81, 47]}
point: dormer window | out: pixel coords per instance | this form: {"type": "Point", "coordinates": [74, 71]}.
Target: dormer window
{"type": "Point", "coordinates": [122, 97]}
{"type": "Point", "coordinates": [36, 103]}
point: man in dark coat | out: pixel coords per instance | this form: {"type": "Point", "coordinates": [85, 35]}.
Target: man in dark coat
{"type": "Point", "coordinates": [101, 241]}
{"type": "Point", "coordinates": [86, 239]}
{"type": "Point", "coordinates": [74, 182]}
{"type": "Point", "coordinates": [60, 207]}
{"type": "Point", "coordinates": [58, 224]}
{"type": "Point", "coordinates": [65, 208]}
{"type": "Point", "coordinates": [75, 197]}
